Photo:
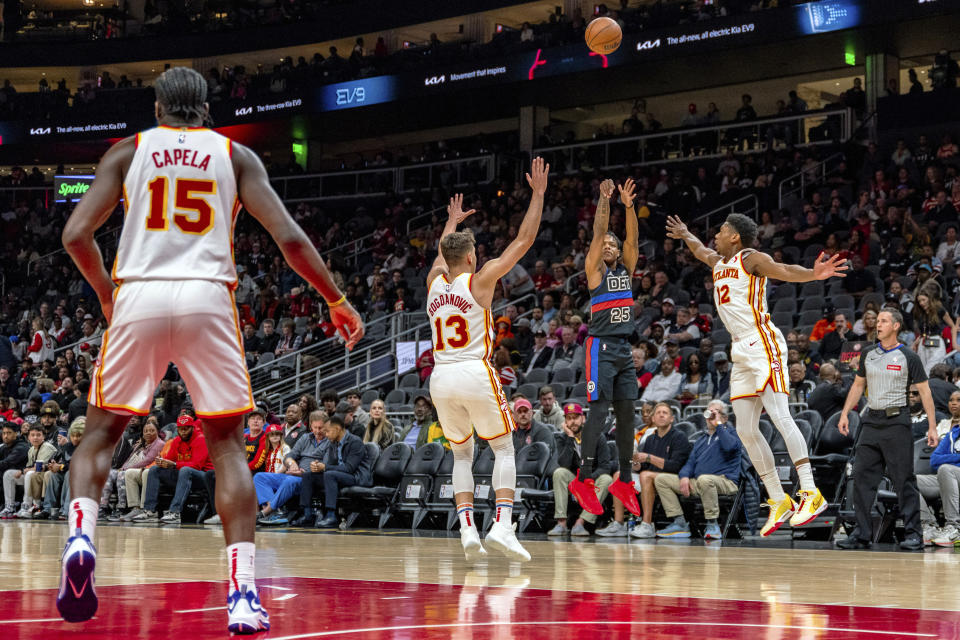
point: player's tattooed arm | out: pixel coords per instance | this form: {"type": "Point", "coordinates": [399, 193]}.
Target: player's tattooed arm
{"type": "Point", "coordinates": [761, 264]}
{"type": "Point", "coordinates": [601, 223]}
{"type": "Point", "coordinates": [677, 230]}
{"type": "Point", "coordinates": [456, 216]}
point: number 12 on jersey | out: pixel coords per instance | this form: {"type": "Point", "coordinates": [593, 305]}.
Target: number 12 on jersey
{"type": "Point", "coordinates": [460, 337]}
{"type": "Point", "coordinates": [184, 201]}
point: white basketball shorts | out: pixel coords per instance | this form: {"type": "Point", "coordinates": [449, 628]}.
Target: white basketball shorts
{"type": "Point", "coordinates": [192, 323]}
{"type": "Point", "coordinates": [468, 396]}
{"type": "Point", "coordinates": [758, 359]}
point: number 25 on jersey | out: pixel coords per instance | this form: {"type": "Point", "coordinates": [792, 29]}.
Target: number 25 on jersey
{"type": "Point", "coordinates": [192, 214]}
{"type": "Point", "coordinates": [460, 334]}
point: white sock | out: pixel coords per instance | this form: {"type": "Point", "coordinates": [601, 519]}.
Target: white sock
{"type": "Point", "coordinates": [505, 510]}
{"type": "Point", "coordinates": [465, 513]}
{"type": "Point", "coordinates": [772, 482]}
{"type": "Point", "coordinates": [240, 565]}
{"type": "Point", "coordinates": [83, 517]}
{"type": "Point", "coordinates": [806, 477]}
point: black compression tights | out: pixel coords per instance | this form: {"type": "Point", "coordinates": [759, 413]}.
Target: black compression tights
{"type": "Point", "coordinates": [593, 430]}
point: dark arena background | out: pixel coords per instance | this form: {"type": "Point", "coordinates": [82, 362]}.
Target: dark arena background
{"type": "Point", "coordinates": [833, 124]}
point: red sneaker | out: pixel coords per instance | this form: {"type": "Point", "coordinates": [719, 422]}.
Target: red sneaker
{"type": "Point", "coordinates": [586, 494]}
{"type": "Point", "coordinates": [626, 494]}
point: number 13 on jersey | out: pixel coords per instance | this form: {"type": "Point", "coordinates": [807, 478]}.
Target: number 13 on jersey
{"type": "Point", "coordinates": [458, 335]}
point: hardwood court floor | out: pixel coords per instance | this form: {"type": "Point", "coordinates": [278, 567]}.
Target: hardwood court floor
{"type": "Point", "coordinates": [170, 581]}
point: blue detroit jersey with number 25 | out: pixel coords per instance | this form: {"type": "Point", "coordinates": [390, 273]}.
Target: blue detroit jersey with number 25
{"type": "Point", "coordinates": [611, 304]}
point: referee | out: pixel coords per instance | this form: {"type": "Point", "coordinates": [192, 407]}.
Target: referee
{"type": "Point", "coordinates": [887, 370]}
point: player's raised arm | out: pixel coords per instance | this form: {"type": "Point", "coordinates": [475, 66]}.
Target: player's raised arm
{"type": "Point", "coordinates": [825, 267]}
{"type": "Point", "coordinates": [457, 215]}
{"type": "Point", "coordinates": [593, 261]}
{"type": "Point", "coordinates": [91, 213]}
{"type": "Point", "coordinates": [677, 230]}
{"type": "Point", "coordinates": [485, 280]}
{"type": "Point", "coordinates": [259, 198]}
{"type": "Point", "coordinates": [631, 243]}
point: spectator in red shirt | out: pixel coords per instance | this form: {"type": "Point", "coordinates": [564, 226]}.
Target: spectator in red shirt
{"type": "Point", "coordinates": [639, 360]}
{"type": "Point", "coordinates": [425, 364]}
{"type": "Point", "coordinates": [181, 464]}
{"type": "Point", "coordinates": [542, 279]}
{"type": "Point", "coordinates": [255, 441]}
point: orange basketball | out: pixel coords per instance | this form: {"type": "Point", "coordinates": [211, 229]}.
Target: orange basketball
{"type": "Point", "coordinates": [603, 36]}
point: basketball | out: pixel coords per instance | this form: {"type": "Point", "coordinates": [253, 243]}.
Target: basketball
{"type": "Point", "coordinates": [603, 36]}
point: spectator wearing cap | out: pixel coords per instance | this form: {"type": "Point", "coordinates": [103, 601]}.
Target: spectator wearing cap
{"type": "Point", "coordinates": [342, 466]}
{"type": "Point", "coordinates": [360, 417]}
{"type": "Point", "coordinates": [277, 484]}
{"type": "Point", "coordinates": [40, 451]}
{"type": "Point", "coordinates": [522, 335]}
{"type": "Point", "coordinates": [134, 470]}
{"type": "Point", "coordinates": [711, 470]}
{"type": "Point", "coordinates": [668, 314]}
{"type": "Point", "coordinates": [539, 356]}
{"type": "Point", "coordinates": [424, 427]}
{"type": "Point", "coordinates": [255, 440]}
{"type": "Point", "coordinates": [824, 325]}
{"type": "Point", "coordinates": [721, 373]}
{"type": "Point", "coordinates": [529, 430]}
{"type": "Point", "coordinates": [684, 330]}
{"type": "Point", "coordinates": [665, 385]}
{"type": "Point", "coordinates": [549, 412]}
{"type": "Point", "coordinates": [293, 426]}
{"type": "Point", "coordinates": [569, 454]}
{"type": "Point", "coordinates": [55, 480]}
{"type": "Point", "coordinates": [49, 413]}
{"type": "Point", "coordinates": [180, 465]}
{"type": "Point", "coordinates": [568, 354]}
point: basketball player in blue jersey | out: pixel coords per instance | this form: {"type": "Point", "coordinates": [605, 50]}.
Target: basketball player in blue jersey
{"type": "Point", "coordinates": [611, 376]}
{"type": "Point", "coordinates": [758, 380]}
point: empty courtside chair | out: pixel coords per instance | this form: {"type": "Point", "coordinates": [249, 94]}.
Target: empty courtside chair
{"type": "Point", "coordinates": [532, 462]}
{"type": "Point", "coordinates": [417, 483]}
{"type": "Point", "coordinates": [687, 428]}
{"type": "Point", "coordinates": [395, 399]}
{"type": "Point", "coordinates": [440, 501]}
{"type": "Point", "coordinates": [369, 396]}
{"type": "Point", "coordinates": [410, 381]}
{"type": "Point", "coordinates": [811, 290]}
{"type": "Point", "coordinates": [537, 376]}
{"type": "Point", "coordinates": [530, 391]}
{"type": "Point", "coordinates": [375, 500]}
{"type": "Point", "coordinates": [785, 304]}
{"type": "Point", "coordinates": [565, 375]}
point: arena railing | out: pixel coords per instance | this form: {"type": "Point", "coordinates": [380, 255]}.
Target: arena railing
{"type": "Point", "coordinates": [795, 186]}
{"type": "Point", "coordinates": [383, 181]}
{"type": "Point", "coordinates": [748, 205]}
{"type": "Point", "coordinates": [811, 128]}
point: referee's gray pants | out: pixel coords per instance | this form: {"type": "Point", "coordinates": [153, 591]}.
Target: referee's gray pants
{"type": "Point", "coordinates": [887, 448]}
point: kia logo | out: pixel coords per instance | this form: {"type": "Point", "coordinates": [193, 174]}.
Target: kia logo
{"type": "Point", "coordinates": [435, 80]}
{"type": "Point", "coordinates": [40, 131]}
{"type": "Point", "coordinates": [244, 111]}
{"type": "Point", "coordinates": [648, 44]}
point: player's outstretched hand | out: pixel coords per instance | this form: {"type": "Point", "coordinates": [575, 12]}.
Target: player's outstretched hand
{"type": "Point", "coordinates": [826, 267]}
{"type": "Point", "coordinates": [675, 228]}
{"type": "Point", "coordinates": [607, 187]}
{"type": "Point", "coordinates": [455, 209]}
{"type": "Point", "coordinates": [627, 190]}
{"type": "Point", "coordinates": [537, 178]}
{"type": "Point", "coordinates": [348, 323]}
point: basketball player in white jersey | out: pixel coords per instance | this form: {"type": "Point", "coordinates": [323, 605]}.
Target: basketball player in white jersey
{"type": "Point", "coordinates": [464, 386]}
{"type": "Point", "coordinates": [170, 298]}
{"type": "Point", "coordinates": [759, 353]}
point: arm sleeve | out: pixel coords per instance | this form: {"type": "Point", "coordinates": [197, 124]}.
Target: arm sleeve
{"type": "Point", "coordinates": [260, 457]}
{"type": "Point", "coordinates": [915, 367]}
{"type": "Point", "coordinates": [37, 343]}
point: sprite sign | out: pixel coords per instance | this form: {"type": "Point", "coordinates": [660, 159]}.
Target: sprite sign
{"type": "Point", "coordinates": [70, 188]}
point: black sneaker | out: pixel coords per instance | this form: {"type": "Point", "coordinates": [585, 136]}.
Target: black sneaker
{"type": "Point", "coordinates": [912, 543]}
{"type": "Point", "coordinates": [852, 542]}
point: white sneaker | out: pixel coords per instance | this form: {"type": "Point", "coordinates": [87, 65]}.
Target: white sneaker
{"type": "Point", "coordinates": [930, 532]}
{"type": "Point", "coordinates": [77, 598]}
{"type": "Point", "coordinates": [130, 517]}
{"type": "Point", "coordinates": [215, 519]}
{"type": "Point", "coordinates": [244, 612]}
{"type": "Point", "coordinates": [171, 517]}
{"type": "Point", "coordinates": [472, 547]}
{"type": "Point", "coordinates": [503, 538]}
{"type": "Point", "coordinates": [613, 530]}
{"type": "Point", "coordinates": [644, 530]}
{"type": "Point", "coordinates": [24, 514]}
{"type": "Point", "coordinates": [948, 537]}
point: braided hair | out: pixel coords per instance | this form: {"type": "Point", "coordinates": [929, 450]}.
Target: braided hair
{"type": "Point", "coordinates": [182, 92]}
